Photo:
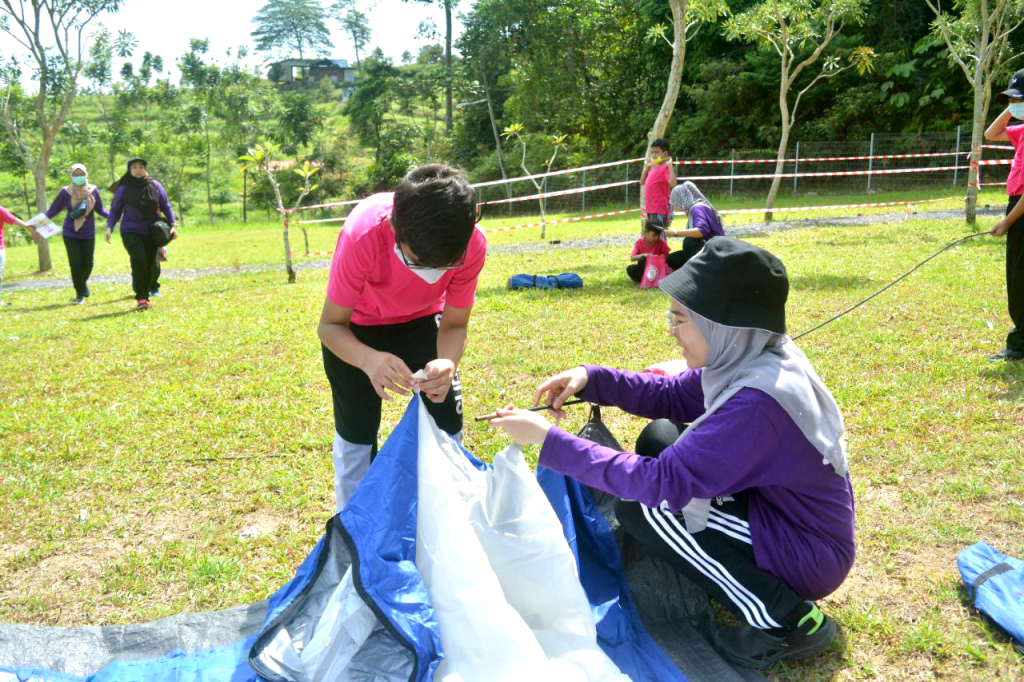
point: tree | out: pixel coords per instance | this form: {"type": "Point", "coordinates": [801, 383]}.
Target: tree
{"type": "Point", "coordinates": [355, 23]}
{"type": "Point", "coordinates": [516, 131]}
{"type": "Point", "coordinates": [203, 78]}
{"type": "Point", "coordinates": [99, 70]}
{"type": "Point", "coordinates": [792, 28]}
{"type": "Point", "coordinates": [56, 35]}
{"type": "Point", "coordinates": [260, 160]}
{"type": "Point", "coordinates": [978, 42]}
{"type": "Point", "coordinates": [448, 5]}
{"type": "Point", "coordinates": [286, 25]}
{"type": "Point", "coordinates": [687, 19]}
{"type": "Point", "coordinates": [371, 100]}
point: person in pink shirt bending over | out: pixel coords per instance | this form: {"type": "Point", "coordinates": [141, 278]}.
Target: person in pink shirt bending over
{"type": "Point", "coordinates": [8, 218]}
{"type": "Point", "coordinates": [658, 178]}
{"type": "Point", "coordinates": [400, 291]}
{"type": "Point", "coordinates": [1012, 225]}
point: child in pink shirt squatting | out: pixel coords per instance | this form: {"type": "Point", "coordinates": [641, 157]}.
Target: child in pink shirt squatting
{"type": "Point", "coordinates": [400, 292]}
{"type": "Point", "coordinates": [1012, 226]}
{"type": "Point", "coordinates": [650, 244]}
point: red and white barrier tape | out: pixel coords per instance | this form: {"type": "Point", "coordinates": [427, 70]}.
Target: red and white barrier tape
{"type": "Point", "coordinates": [321, 220]}
{"type": "Point", "coordinates": [563, 220]}
{"type": "Point", "coordinates": [685, 162]}
{"type": "Point", "coordinates": [820, 159]}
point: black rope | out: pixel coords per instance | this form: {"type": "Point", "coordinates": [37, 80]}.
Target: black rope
{"type": "Point", "coordinates": [890, 284]}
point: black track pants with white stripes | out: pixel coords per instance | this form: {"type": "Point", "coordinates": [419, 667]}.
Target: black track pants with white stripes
{"type": "Point", "coordinates": [720, 558]}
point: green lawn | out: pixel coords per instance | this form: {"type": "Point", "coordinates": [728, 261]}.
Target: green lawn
{"type": "Point", "coordinates": [104, 522]}
{"type": "Point", "coordinates": [232, 244]}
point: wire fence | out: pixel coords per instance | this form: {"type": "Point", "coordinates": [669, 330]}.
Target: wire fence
{"type": "Point", "coordinates": [888, 163]}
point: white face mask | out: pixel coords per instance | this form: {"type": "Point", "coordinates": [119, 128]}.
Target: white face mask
{"type": "Point", "coordinates": [428, 275]}
{"type": "Point", "coordinates": [1017, 110]}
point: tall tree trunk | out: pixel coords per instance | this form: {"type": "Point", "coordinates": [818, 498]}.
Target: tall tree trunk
{"type": "Point", "coordinates": [494, 129]}
{"type": "Point", "coordinates": [209, 200]}
{"type": "Point", "coordinates": [780, 158]}
{"type": "Point", "coordinates": [448, 67]}
{"type": "Point", "coordinates": [24, 192]}
{"type": "Point", "coordinates": [977, 134]}
{"type": "Point", "coordinates": [675, 78]}
{"type": "Point", "coordinates": [39, 174]}
{"type": "Point", "coordinates": [245, 215]}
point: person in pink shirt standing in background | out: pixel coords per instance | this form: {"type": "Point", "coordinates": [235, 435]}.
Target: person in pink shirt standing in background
{"type": "Point", "coordinates": [7, 218]}
{"type": "Point", "coordinates": [1011, 225]}
{"type": "Point", "coordinates": [658, 178]}
{"type": "Point", "coordinates": [399, 295]}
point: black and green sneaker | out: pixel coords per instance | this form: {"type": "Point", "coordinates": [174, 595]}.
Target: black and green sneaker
{"type": "Point", "coordinates": [750, 647]}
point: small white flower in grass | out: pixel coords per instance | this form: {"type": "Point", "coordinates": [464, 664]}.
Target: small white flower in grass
{"type": "Point", "coordinates": [989, 323]}
{"type": "Point", "coordinates": [83, 514]}
{"type": "Point", "coordinates": [13, 338]}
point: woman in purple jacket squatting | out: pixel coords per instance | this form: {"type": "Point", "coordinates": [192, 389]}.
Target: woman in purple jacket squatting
{"type": "Point", "coordinates": [752, 501]}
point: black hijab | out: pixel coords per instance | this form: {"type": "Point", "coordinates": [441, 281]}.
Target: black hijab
{"type": "Point", "coordinates": [139, 193]}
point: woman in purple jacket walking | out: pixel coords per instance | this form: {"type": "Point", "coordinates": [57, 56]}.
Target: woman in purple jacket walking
{"type": "Point", "coordinates": [752, 500]}
{"type": "Point", "coordinates": [81, 200]}
{"type": "Point", "coordinates": [138, 201]}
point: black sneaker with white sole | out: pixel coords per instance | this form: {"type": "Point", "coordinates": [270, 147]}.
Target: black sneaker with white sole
{"type": "Point", "coordinates": [750, 647]}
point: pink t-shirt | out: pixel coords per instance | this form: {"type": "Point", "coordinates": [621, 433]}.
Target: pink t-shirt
{"type": "Point", "coordinates": [642, 248]}
{"type": "Point", "coordinates": [6, 218]}
{"type": "Point", "coordinates": [1015, 181]}
{"type": "Point", "coordinates": [367, 275]}
{"type": "Point", "coordinates": [656, 190]}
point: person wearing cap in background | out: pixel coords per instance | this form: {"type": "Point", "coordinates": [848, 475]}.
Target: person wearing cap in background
{"type": "Point", "coordinates": [138, 201]}
{"type": "Point", "coordinates": [658, 178]}
{"type": "Point", "coordinates": [400, 293]}
{"type": "Point", "coordinates": [81, 201]}
{"type": "Point", "coordinates": [752, 501]}
{"type": "Point", "coordinates": [1011, 226]}
{"type": "Point", "coordinates": [702, 223]}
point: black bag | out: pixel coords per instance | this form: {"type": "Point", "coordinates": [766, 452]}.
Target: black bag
{"type": "Point", "coordinates": [79, 210]}
{"type": "Point", "coordinates": [160, 232]}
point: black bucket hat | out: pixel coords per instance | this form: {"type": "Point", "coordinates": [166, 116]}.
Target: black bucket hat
{"type": "Point", "coordinates": [1016, 89]}
{"type": "Point", "coordinates": [128, 164]}
{"type": "Point", "coordinates": [733, 283]}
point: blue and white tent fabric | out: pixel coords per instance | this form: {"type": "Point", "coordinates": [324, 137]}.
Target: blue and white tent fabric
{"type": "Point", "coordinates": [439, 568]}
{"type": "Point", "coordinates": [995, 584]}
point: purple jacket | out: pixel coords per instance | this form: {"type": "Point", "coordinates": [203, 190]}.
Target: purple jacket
{"type": "Point", "coordinates": [132, 220]}
{"type": "Point", "coordinates": [63, 203]}
{"type": "Point", "coordinates": [801, 512]}
{"type": "Point", "coordinates": [707, 221]}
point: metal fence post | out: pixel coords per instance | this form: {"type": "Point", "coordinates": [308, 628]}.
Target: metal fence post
{"type": "Point", "coordinates": [871, 157]}
{"type": "Point", "coordinates": [583, 195]}
{"type": "Point", "coordinates": [956, 159]}
{"type": "Point", "coordinates": [796, 165]}
{"type": "Point", "coordinates": [627, 184]}
{"type": "Point", "coordinates": [732, 170]}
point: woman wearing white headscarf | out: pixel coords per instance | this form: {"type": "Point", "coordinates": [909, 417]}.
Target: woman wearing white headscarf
{"type": "Point", "coordinates": [702, 223]}
{"type": "Point", "coordinates": [82, 201]}
{"type": "Point", "coordinates": [752, 501]}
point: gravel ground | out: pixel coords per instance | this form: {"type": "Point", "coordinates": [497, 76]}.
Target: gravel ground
{"type": "Point", "coordinates": [748, 229]}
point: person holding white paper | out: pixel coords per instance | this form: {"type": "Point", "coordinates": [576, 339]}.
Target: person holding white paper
{"type": "Point", "coordinates": [81, 201]}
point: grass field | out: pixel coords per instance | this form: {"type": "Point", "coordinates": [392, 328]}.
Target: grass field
{"type": "Point", "coordinates": [106, 520]}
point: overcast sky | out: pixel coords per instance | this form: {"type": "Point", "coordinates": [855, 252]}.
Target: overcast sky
{"type": "Point", "coordinates": [165, 28]}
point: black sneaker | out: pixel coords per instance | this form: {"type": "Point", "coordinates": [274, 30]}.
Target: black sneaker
{"type": "Point", "coordinates": [750, 647]}
{"type": "Point", "coordinates": [78, 301]}
{"type": "Point", "coordinates": [1006, 354]}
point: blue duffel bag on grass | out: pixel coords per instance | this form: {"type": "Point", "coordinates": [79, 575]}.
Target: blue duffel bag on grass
{"type": "Point", "coordinates": [566, 280]}
{"type": "Point", "coordinates": [995, 584]}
